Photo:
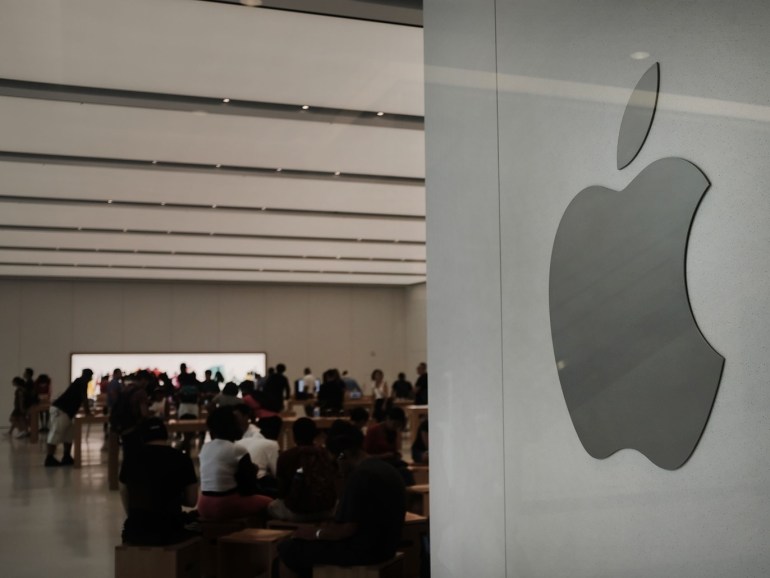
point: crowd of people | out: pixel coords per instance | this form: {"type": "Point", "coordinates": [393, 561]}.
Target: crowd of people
{"type": "Point", "coordinates": [349, 480]}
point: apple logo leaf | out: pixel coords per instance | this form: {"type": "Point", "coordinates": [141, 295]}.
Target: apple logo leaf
{"type": "Point", "coordinates": [637, 119]}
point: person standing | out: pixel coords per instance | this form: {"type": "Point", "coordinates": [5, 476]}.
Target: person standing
{"type": "Point", "coordinates": [63, 411]}
{"type": "Point", "coordinates": [421, 385]}
{"type": "Point", "coordinates": [277, 389]}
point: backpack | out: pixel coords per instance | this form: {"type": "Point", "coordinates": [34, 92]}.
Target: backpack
{"type": "Point", "coordinates": [312, 488]}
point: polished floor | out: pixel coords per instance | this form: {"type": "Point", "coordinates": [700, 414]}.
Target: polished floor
{"type": "Point", "coordinates": [56, 522]}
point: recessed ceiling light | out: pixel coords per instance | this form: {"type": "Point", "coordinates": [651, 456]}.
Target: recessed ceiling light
{"type": "Point", "coordinates": [278, 170]}
{"type": "Point", "coordinates": [380, 114]}
{"type": "Point", "coordinates": [640, 55]}
{"type": "Point", "coordinates": [218, 166]}
{"type": "Point", "coordinates": [305, 107]}
{"type": "Point", "coordinates": [155, 162]}
{"type": "Point", "coordinates": [213, 206]}
{"type": "Point", "coordinates": [336, 173]}
{"type": "Point", "coordinates": [264, 208]}
{"type": "Point", "coordinates": [109, 202]}
{"type": "Point", "coordinates": [225, 100]}
{"type": "Point", "coordinates": [251, 2]}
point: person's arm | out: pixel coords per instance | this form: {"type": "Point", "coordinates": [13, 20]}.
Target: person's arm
{"type": "Point", "coordinates": [124, 497]}
{"type": "Point", "coordinates": [329, 532]}
{"type": "Point", "coordinates": [246, 476]}
{"type": "Point", "coordinates": [190, 495]}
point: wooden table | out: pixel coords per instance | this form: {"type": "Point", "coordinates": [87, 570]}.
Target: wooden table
{"type": "Point", "coordinates": [186, 425]}
{"type": "Point", "coordinates": [286, 437]}
{"type": "Point", "coordinates": [77, 435]}
{"type": "Point", "coordinates": [423, 491]}
{"type": "Point", "coordinates": [414, 416]}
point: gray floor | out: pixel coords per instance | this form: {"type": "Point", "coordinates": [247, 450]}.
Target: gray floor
{"type": "Point", "coordinates": [56, 521]}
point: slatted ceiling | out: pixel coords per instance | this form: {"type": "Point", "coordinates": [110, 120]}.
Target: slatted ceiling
{"type": "Point", "coordinates": [206, 49]}
{"type": "Point", "coordinates": [67, 128]}
{"type": "Point", "coordinates": [251, 191]}
{"type": "Point", "coordinates": [61, 162]}
{"type": "Point", "coordinates": [206, 245]}
{"type": "Point", "coordinates": [12, 270]}
{"type": "Point", "coordinates": [92, 258]}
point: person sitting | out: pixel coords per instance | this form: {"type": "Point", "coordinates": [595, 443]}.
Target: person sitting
{"type": "Point", "coordinates": [153, 488]}
{"type": "Point", "coordinates": [420, 444]}
{"type": "Point", "coordinates": [359, 417]}
{"type": "Point", "coordinates": [306, 478]}
{"type": "Point", "coordinates": [263, 450]}
{"type": "Point", "coordinates": [228, 476]}
{"type": "Point", "coordinates": [383, 441]}
{"type": "Point", "coordinates": [369, 518]}
{"type": "Point", "coordinates": [228, 396]}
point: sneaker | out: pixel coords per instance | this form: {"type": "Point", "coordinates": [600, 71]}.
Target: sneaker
{"type": "Point", "coordinates": [67, 461]}
{"type": "Point", "coordinates": [51, 462]}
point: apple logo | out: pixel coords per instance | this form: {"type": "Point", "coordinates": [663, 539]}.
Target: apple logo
{"type": "Point", "coordinates": [635, 370]}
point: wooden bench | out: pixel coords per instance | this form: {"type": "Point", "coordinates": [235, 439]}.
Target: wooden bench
{"type": "Point", "coordinates": [393, 568]}
{"type": "Point", "coordinates": [421, 494]}
{"type": "Point", "coordinates": [249, 552]}
{"type": "Point", "coordinates": [175, 561]}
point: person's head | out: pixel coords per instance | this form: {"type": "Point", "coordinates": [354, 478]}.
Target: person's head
{"type": "Point", "coordinates": [153, 430]}
{"type": "Point", "coordinates": [377, 375]}
{"type": "Point", "coordinates": [401, 376]}
{"type": "Point", "coordinates": [18, 382]}
{"type": "Point", "coordinates": [305, 431]}
{"type": "Point", "coordinates": [307, 371]}
{"type": "Point", "coordinates": [207, 374]}
{"type": "Point", "coordinates": [270, 427]}
{"type": "Point", "coordinates": [280, 368]}
{"type": "Point", "coordinates": [422, 368]}
{"type": "Point", "coordinates": [116, 373]}
{"type": "Point", "coordinates": [87, 373]}
{"type": "Point", "coordinates": [359, 417]}
{"type": "Point", "coordinates": [183, 368]}
{"type": "Point", "coordinates": [345, 442]}
{"type": "Point", "coordinates": [43, 379]}
{"type": "Point", "coordinates": [28, 373]}
{"type": "Point", "coordinates": [218, 377]}
{"type": "Point", "coordinates": [222, 424]}
{"type": "Point", "coordinates": [230, 389]}
{"type": "Point", "coordinates": [395, 419]}
{"type": "Point", "coordinates": [246, 387]}
{"type": "Point", "coordinates": [243, 416]}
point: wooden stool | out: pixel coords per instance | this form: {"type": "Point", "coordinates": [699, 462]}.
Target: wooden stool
{"type": "Point", "coordinates": [249, 552]}
{"type": "Point", "coordinates": [211, 531]}
{"type": "Point", "coordinates": [393, 568]}
{"type": "Point", "coordinates": [175, 561]}
{"type": "Point", "coordinates": [415, 527]}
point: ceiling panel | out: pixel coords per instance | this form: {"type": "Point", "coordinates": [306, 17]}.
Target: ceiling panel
{"type": "Point", "coordinates": [38, 180]}
{"type": "Point", "coordinates": [67, 128]}
{"type": "Point", "coordinates": [208, 49]}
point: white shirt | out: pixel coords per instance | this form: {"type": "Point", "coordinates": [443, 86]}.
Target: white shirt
{"type": "Point", "coordinates": [263, 452]}
{"type": "Point", "coordinates": [219, 462]}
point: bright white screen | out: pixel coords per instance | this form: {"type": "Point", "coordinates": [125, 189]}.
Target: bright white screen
{"type": "Point", "coordinates": [234, 366]}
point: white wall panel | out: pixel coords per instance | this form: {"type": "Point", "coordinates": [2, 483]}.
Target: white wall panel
{"type": "Point", "coordinates": [564, 71]}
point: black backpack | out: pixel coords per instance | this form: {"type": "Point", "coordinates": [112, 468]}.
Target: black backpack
{"type": "Point", "coordinates": [312, 488]}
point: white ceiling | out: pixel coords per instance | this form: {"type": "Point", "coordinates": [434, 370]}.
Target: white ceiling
{"type": "Point", "coordinates": [154, 176]}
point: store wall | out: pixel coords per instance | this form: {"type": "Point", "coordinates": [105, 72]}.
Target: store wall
{"type": "Point", "coordinates": [353, 328]}
{"type": "Point", "coordinates": [524, 102]}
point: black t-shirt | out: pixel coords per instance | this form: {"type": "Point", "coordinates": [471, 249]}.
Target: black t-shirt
{"type": "Point", "coordinates": [155, 478]}
{"type": "Point", "coordinates": [374, 498]}
{"type": "Point", "coordinates": [275, 389]}
{"type": "Point", "coordinates": [421, 390]}
{"type": "Point", "coordinates": [402, 388]}
{"type": "Point", "coordinates": [331, 395]}
{"type": "Point", "coordinates": [72, 398]}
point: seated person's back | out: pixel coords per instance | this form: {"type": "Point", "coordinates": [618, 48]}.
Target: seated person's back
{"type": "Point", "coordinates": [155, 484]}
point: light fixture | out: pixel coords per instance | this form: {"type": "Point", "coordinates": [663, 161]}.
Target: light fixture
{"type": "Point", "coordinates": [109, 202]}
{"type": "Point", "coordinates": [218, 166]}
{"type": "Point", "coordinates": [336, 173]}
{"type": "Point", "coordinates": [305, 107]}
{"type": "Point", "coordinates": [163, 204]}
{"type": "Point", "coordinates": [125, 230]}
{"type": "Point", "coordinates": [213, 206]}
{"type": "Point", "coordinates": [155, 162]}
{"type": "Point", "coordinates": [278, 170]}
{"type": "Point", "coordinates": [380, 114]}
{"type": "Point", "coordinates": [80, 228]}
{"type": "Point", "coordinates": [640, 55]}
{"type": "Point", "coordinates": [225, 100]}
{"type": "Point", "coordinates": [264, 208]}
